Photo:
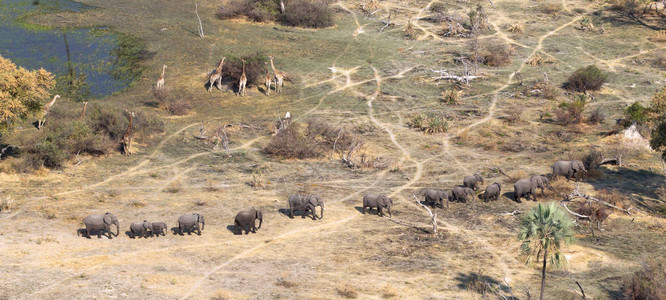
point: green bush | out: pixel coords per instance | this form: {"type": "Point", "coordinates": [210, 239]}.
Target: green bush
{"type": "Point", "coordinates": [636, 113]}
{"type": "Point", "coordinates": [47, 154]}
{"type": "Point", "coordinates": [589, 78]}
{"type": "Point", "coordinates": [571, 112]}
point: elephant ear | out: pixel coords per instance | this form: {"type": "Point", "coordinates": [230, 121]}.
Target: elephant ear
{"type": "Point", "coordinates": [259, 215]}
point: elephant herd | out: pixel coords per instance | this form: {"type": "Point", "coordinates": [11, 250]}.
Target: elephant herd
{"type": "Point", "coordinates": [244, 220]}
{"type": "Point", "coordinates": [523, 188]}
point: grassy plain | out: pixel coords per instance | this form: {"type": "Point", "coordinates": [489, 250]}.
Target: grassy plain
{"type": "Point", "coordinates": [350, 75]}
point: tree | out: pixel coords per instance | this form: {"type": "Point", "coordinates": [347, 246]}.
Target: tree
{"type": "Point", "coordinates": [657, 117]}
{"type": "Point", "coordinates": [21, 92]}
{"type": "Point", "coordinates": [543, 230]}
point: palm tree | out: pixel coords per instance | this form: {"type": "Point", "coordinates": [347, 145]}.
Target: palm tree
{"type": "Point", "coordinates": [543, 230]}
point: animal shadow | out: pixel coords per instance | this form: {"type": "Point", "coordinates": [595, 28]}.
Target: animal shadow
{"type": "Point", "coordinates": [176, 231]}
{"type": "Point", "coordinates": [511, 196]}
{"type": "Point", "coordinates": [99, 233]}
{"type": "Point", "coordinates": [130, 235]}
{"type": "Point", "coordinates": [234, 230]}
{"type": "Point", "coordinates": [285, 211]}
{"type": "Point", "coordinates": [368, 211]}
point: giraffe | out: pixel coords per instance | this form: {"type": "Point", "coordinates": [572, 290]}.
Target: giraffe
{"type": "Point", "coordinates": [269, 79]}
{"type": "Point", "coordinates": [47, 107]}
{"type": "Point", "coordinates": [216, 76]}
{"type": "Point", "coordinates": [160, 81]}
{"type": "Point", "coordinates": [83, 112]}
{"type": "Point", "coordinates": [243, 81]}
{"type": "Point", "coordinates": [279, 77]}
{"type": "Point", "coordinates": [127, 137]}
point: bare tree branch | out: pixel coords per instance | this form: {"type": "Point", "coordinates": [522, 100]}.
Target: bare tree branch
{"type": "Point", "coordinates": [200, 29]}
{"type": "Point", "coordinates": [433, 216]}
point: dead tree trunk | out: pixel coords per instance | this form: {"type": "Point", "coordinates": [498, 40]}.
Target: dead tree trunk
{"type": "Point", "coordinates": [433, 216]}
{"type": "Point", "coordinates": [200, 29]}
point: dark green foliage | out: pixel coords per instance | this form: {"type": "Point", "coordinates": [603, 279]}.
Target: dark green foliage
{"type": "Point", "coordinates": [128, 56]}
{"type": "Point", "coordinates": [658, 140]}
{"type": "Point", "coordinates": [300, 13]}
{"type": "Point", "coordinates": [589, 78]}
{"type": "Point", "coordinates": [255, 69]}
{"type": "Point", "coordinates": [101, 132]}
{"type": "Point", "coordinates": [592, 160]}
{"type": "Point", "coordinates": [571, 112]}
{"type": "Point", "coordinates": [636, 113]}
{"type": "Point", "coordinates": [307, 13]}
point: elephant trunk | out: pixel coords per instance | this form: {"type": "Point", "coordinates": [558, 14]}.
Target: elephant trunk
{"type": "Point", "coordinates": [322, 211]}
{"type": "Point", "coordinates": [203, 224]}
{"type": "Point", "coordinates": [260, 222]}
{"type": "Point", "coordinates": [117, 228]}
{"type": "Point", "coordinates": [389, 211]}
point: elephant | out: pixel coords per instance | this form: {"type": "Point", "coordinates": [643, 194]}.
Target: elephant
{"type": "Point", "coordinates": [472, 181]}
{"type": "Point", "coordinates": [381, 202]}
{"type": "Point", "coordinates": [435, 197]}
{"type": "Point", "coordinates": [141, 229]}
{"type": "Point", "coordinates": [524, 188]}
{"type": "Point", "coordinates": [569, 168]}
{"type": "Point", "coordinates": [101, 224]}
{"type": "Point", "coordinates": [190, 223]}
{"type": "Point", "coordinates": [460, 193]}
{"type": "Point", "coordinates": [246, 220]}
{"type": "Point", "coordinates": [306, 203]}
{"type": "Point", "coordinates": [158, 227]}
{"type": "Point", "coordinates": [492, 192]}
{"type": "Point", "coordinates": [540, 182]}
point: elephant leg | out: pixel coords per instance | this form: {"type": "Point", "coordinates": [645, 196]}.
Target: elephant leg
{"type": "Point", "coordinates": [380, 211]}
{"type": "Point", "coordinates": [364, 209]}
{"type": "Point", "coordinates": [291, 212]}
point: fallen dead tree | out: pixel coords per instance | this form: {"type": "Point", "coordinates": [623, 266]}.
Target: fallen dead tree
{"type": "Point", "coordinates": [445, 75]}
{"type": "Point", "coordinates": [433, 216]}
{"type": "Point", "coordinates": [576, 193]}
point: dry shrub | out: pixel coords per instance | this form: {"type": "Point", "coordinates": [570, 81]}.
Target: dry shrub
{"type": "Point", "coordinates": [176, 107]}
{"type": "Point", "coordinates": [476, 283]}
{"type": "Point", "coordinates": [410, 31]}
{"type": "Point", "coordinates": [347, 291]}
{"type": "Point", "coordinates": [389, 292]}
{"type": "Point", "coordinates": [658, 37]}
{"type": "Point", "coordinates": [614, 197]}
{"type": "Point", "coordinates": [257, 181]}
{"type": "Point", "coordinates": [596, 117]}
{"type": "Point", "coordinates": [495, 53]}
{"type": "Point", "coordinates": [560, 187]}
{"type": "Point", "coordinates": [6, 204]}
{"type": "Point", "coordinates": [136, 203]}
{"type": "Point", "coordinates": [429, 124]}
{"type": "Point", "coordinates": [222, 295]}
{"type": "Point", "coordinates": [571, 112]}
{"type": "Point", "coordinates": [515, 175]}
{"type": "Point", "coordinates": [516, 28]}
{"type": "Point", "coordinates": [306, 13]}
{"type": "Point", "coordinates": [537, 60]}
{"type": "Point", "coordinates": [592, 160]}
{"type": "Point", "coordinates": [174, 187]}
{"type": "Point", "coordinates": [286, 283]}
{"type": "Point", "coordinates": [547, 90]}
{"type": "Point", "coordinates": [647, 283]}
{"type": "Point", "coordinates": [596, 211]}
{"type": "Point", "coordinates": [453, 28]}
{"type": "Point", "coordinates": [513, 114]}
{"type": "Point", "coordinates": [550, 8]}
{"type": "Point", "coordinates": [210, 186]}
{"type": "Point", "coordinates": [292, 142]}
{"type": "Point", "coordinates": [452, 96]}
{"type": "Point", "coordinates": [161, 94]}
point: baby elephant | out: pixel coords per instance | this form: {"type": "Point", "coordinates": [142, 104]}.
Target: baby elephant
{"type": "Point", "coordinates": [461, 193]}
{"type": "Point", "coordinates": [492, 192]}
{"type": "Point", "coordinates": [247, 220]}
{"type": "Point", "coordinates": [435, 197]}
{"type": "Point", "coordinates": [158, 227]}
{"type": "Point", "coordinates": [141, 229]}
{"type": "Point", "coordinates": [381, 202]}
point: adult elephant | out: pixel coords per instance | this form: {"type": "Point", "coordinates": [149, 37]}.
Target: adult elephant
{"type": "Point", "coordinates": [306, 203]}
{"type": "Point", "coordinates": [246, 220]}
{"type": "Point", "coordinates": [436, 197]}
{"type": "Point", "coordinates": [473, 181]}
{"type": "Point", "coordinates": [460, 193]}
{"type": "Point", "coordinates": [540, 182]}
{"type": "Point", "coordinates": [101, 224]}
{"type": "Point", "coordinates": [190, 223]}
{"type": "Point", "coordinates": [524, 188]}
{"type": "Point", "coordinates": [492, 192]}
{"type": "Point", "coordinates": [141, 229]}
{"type": "Point", "coordinates": [380, 202]}
{"type": "Point", "coordinates": [569, 169]}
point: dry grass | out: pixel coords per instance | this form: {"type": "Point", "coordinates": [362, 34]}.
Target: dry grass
{"type": "Point", "coordinates": [538, 59]}
{"type": "Point", "coordinates": [7, 204]}
{"type": "Point", "coordinates": [516, 28]}
{"type": "Point", "coordinates": [347, 291]}
{"type": "Point", "coordinates": [174, 187]}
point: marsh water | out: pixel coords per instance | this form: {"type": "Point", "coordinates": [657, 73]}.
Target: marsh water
{"type": "Point", "coordinates": [82, 59]}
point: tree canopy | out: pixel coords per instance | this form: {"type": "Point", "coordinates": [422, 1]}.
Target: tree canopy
{"type": "Point", "coordinates": [21, 92]}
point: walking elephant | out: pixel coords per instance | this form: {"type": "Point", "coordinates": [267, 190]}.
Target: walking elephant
{"type": "Point", "coordinates": [492, 192]}
{"type": "Point", "coordinates": [101, 224]}
{"type": "Point", "coordinates": [141, 229]}
{"type": "Point", "coordinates": [158, 227]}
{"type": "Point", "coordinates": [246, 220]}
{"type": "Point", "coordinates": [435, 197]}
{"type": "Point", "coordinates": [306, 203]}
{"type": "Point", "coordinates": [540, 182]}
{"type": "Point", "coordinates": [460, 193]}
{"type": "Point", "coordinates": [191, 223]}
{"type": "Point", "coordinates": [569, 169]}
{"type": "Point", "coordinates": [380, 202]}
{"type": "Point", "coordinates": [524, 188]}
{"type": "Point", "coordinates": [473, 181]}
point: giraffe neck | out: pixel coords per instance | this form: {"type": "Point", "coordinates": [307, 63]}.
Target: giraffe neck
{"type": "Point", "coordinates": [219, 67]}
{"type": "Point", "coordinates": [273, 67]}
{"type": "Point", "coordinates": [163, 69]}
{"type": "Point", "coordinates": [129, 126]}
{"type": "Point", "coordinates": [243, 68]}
